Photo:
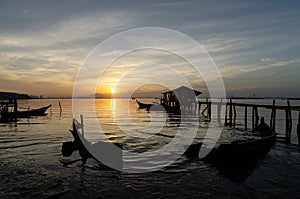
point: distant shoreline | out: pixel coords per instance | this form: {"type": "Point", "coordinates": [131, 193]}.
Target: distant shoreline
{"type": "Point", "coordinates": [11, 95]}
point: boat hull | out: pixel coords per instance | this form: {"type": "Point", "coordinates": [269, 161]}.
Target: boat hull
{"type": "Point", "coordinates": [25, 114]}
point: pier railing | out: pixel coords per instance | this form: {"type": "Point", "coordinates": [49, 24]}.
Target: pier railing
{"type": "Point", "coordinates": [231, 115]}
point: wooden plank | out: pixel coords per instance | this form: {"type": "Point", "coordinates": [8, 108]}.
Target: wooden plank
{"type": "Point", "coordinates": [294, 108]}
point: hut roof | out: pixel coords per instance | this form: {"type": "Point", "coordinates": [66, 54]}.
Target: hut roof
{"type": "Point", "coordinates": [182, 90]}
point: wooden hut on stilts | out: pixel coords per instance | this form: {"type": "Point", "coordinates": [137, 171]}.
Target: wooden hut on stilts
{"type": "Point", "coordinates": [179, 100]}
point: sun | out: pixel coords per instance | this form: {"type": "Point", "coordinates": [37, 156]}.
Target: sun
{"type": "Point", "coordinates": [113, 90]}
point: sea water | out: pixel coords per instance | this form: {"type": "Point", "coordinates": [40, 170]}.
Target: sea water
{"type": "Point", "coordinates": [30, 154]}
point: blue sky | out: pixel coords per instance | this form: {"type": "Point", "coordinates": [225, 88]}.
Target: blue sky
{"type": "Point", "coordinates": [255, 44]}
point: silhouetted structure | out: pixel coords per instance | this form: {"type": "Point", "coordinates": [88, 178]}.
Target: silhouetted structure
{"type": "Point", "coordinates": [8, 116]}
{"type": "Point", "coordinates": [180, 99]}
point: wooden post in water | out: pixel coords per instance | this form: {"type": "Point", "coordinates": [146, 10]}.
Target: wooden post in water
{"type": "Point", "coordinates": [287, 123]}
{"type": "Point", "coordinates": [219, 111]}
{"type": "Point", "coordinates": [60, 109]}
{"type": "Point", "coordinates": [291, 120]}
{"type": "Point", "coordinates": [272, 116]}
{"type": "Point", "coordinates": [15, 106]}
{"type": "Point", "coordinates": [15, 109]}
{"type": "Point", "coordinates": [234, 112]}
{"type": "Point", "coordinates": [209, 111]}
{"type": "Point", "coordinates": [226, 120]}
{"type": "Point", "coordinates": [274, 119]}
{"type": "Point", "coordinates": [230, 113]}
{"type": "Point", "coordinates": [298, 129]}
{"type": "Point", "coordinates": [256, 117]}
{"type": "Point", "coordinates": [82, 125]}
{"type": "Point", "coordinates": [246, 117]}
{"type": "Point", "coordinates": [252, 118]}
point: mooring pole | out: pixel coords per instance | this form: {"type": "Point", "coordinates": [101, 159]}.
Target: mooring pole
{"type": "Point", "coordinates": [15, 105]}
{"type": "Point", "coordinates": [256, 117]}
{"type": "Point", "coordinates": [226, 120]}
{"type": "Point", "coordinates": [246, 117]}
{"type": "Point", "coordinates": [287, 123]}
{"type": "Point", "coordinates": [272, 115]}
{"type": "Point", "coordinates": [82, 125]}
{"type": "Point", "coordinates": [60, 109]}
{"type": "Point", "coordinates": [253, 118]}
{"type": "Point", "coordinates": [274, 119]}
{"type": "Point", "coordinates": [298, 129]}
{"type": "Point", "coordinates": [230, 113]}
{"type": "Point", "coordinates": [234, 112]}
{"type": "Point", "coordinates": [219, 111]}
{"type": "Point", "coordinates": [291, 120]}
{"type": "Point", "coordinates": [209, 111]}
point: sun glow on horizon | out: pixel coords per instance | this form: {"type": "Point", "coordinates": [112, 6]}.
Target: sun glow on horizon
{"type": "Point", "coordinates": [113, 90]}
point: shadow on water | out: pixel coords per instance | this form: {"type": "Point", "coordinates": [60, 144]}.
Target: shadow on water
{"type": "Point", "coordinates": [236, 170]}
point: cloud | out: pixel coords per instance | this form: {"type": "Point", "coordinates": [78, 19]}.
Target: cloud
{"type": "Point", "coordinates": [48, 41]}
{"type": "Point", "coordinates": [266, 59]}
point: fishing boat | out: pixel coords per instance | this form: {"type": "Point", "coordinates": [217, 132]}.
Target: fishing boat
{"type": "Point", "coordinates": [143, 105]}
{"type": "Point", "coordinates": [10, 115]}
{"type": "Point", "coordinates": [79, 144]}
{"type": "Point", "coordinates": [240, 149]}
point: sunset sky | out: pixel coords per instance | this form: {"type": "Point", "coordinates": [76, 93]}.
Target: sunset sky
{"type": "Point", "coordinates": [255, 44]}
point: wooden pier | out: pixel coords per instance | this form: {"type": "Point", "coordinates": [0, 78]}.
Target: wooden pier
{"type": "Point", "coordinates": [231, 115]}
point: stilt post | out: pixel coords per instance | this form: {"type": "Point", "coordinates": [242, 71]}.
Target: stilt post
{"type": "Point", "coordinates": [230, 113]}
{"type": "Point", "coordinates": [209, 111]}
{"type": "Point", "coordinates": [272, 116]}
{"type": "Point", "coordinates": [298, 129]}
{"type": "Point", "coordinates": [287, 123]}
{"type": "Point", "coordinates": [219, 112]}
{"type": "Point", "coordinates": [253, 123]}
{"type": "Point", "coordinates": [246, 117]}
{"type": "Point", "coordinates": [82, 125]}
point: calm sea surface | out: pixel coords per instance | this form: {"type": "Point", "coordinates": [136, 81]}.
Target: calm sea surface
{"type": "Point", "coordinates": [30, 157]}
